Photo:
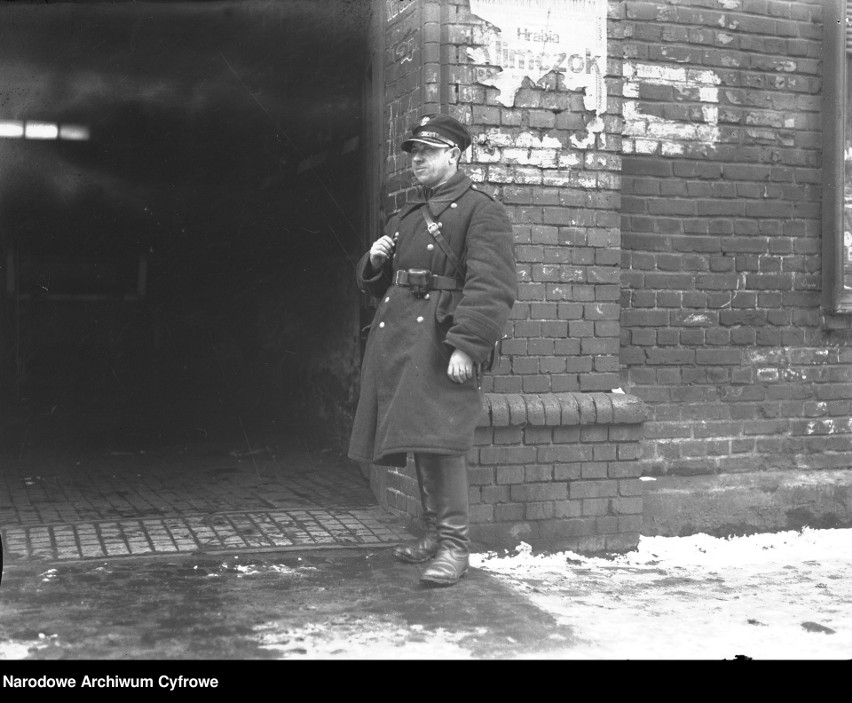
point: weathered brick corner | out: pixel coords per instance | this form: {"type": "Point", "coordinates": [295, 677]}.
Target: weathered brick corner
{"type": "Point", "coordinates": [555, 461]}
{"type": "Point", "coordinates": [556, 470]}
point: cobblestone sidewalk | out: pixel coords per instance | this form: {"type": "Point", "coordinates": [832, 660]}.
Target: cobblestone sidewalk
{"type": "Point", "coordinates": [203, 499]}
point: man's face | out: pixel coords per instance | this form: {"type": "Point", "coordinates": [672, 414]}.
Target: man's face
{"type": "Point", "coordinates": [432, 165]}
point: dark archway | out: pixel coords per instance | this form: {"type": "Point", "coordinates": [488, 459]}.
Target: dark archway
{"type": "Point", "coordinates": [179, 259]}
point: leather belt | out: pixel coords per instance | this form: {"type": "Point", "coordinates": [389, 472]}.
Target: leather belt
{"type": "Point", "coordinates": [430, 281]}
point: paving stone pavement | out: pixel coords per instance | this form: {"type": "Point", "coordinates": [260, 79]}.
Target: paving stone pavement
{"type": "Point", "coordinates": [202, 498]}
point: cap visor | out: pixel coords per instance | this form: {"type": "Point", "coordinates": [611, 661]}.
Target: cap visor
{"type": "Point", "coordinates": [408, 143]}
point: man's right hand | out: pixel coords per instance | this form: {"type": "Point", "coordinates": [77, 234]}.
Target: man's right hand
{"type": "Point", "coordinates": [381, 251]}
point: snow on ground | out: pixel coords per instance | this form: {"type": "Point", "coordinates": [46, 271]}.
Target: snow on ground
{"type": "Point", "coordinates": [369, 637]}
{"type": "Point", "coordinates": [785, 595]}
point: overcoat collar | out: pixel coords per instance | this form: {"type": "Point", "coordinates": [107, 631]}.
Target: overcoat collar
{"type": "Point", "coordinates": [441, 197]}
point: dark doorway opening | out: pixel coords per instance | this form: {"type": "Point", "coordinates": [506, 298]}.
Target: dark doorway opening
{"type": "Point", "coordinates": [182, 190]}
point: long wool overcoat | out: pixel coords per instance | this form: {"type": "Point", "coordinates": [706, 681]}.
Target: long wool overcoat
{"type": "Point", "coordinates": [407, 402]}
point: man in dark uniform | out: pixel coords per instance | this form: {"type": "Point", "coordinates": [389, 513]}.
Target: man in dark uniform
{"type": "Point", "coordinates": [444, 275]}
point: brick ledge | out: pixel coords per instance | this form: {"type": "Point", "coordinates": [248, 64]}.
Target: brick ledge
{"type": "Point", "coordinates": [561, 409]}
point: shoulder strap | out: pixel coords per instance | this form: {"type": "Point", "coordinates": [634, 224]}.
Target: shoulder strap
{"type": "Point", "coordinates": [395, 218]}
{"type": "Point", "coordinates": [435, 230]}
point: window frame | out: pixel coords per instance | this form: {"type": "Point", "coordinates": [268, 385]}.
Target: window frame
{"type": "Point", "coordinates": [836, 58]}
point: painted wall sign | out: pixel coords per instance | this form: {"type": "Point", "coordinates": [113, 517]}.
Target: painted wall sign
{"type": "Point", "coordinates": [402, 50]}
{"type": "Point", "coordinates": [396, 7]}
{"type": "Point", "coordinates": [531, 38]}
{"type": "Point", "coordinates": [650, 134]}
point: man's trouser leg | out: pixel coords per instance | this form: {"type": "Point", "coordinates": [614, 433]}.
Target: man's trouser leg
{"type": "Point", "coordinates": [426, 547]}
{"type": "Point", "coordinates": [452, 520]}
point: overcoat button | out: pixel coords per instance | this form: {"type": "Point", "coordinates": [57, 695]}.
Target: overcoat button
{"type": "Point", "coordinates": [420, 319]}
{"type": "Point", "coordinates": [426, 297]}
{"type": "Point", "coordinates": [430, 247]}
{"type": "Point", "coordinates": [387, 299]}
{"type": "Point", "coordinates": [454, 204]}
{"type": "Point", "coordinates": [381, 324]}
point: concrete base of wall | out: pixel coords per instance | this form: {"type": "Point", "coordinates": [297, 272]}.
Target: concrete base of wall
{"type": "Point", "coordinates": [739, 504]}
{"type": "Point", "coordinates": [542, 536]}
{"type": "Point", "coordinates": [552, 535]}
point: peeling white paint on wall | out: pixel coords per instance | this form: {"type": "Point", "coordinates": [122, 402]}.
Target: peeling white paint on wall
{"type": "Point", "coordinates": [829, 426]}
{"type": "Point", "coordinates": [698, 319]}
{"type": "Point", "coordinates": [587, 141]}
{"type": "Point", "coordinates": [767, 375]}
{"type": "Point", "coordinates": [785, 356]}
{"type": "Point", "coordinates": [651, 134]}
{"type": "Point", "coordinates": [532, 38]}
{"type": "Point", "coordinates": [496, 146]}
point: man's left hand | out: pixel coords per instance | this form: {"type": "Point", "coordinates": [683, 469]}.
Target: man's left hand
{"type": "Point", "coordinates": [461, 367]}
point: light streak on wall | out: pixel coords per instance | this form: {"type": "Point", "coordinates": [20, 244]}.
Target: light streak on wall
{"type": "Point", "coordinates": [74, 132]}
{"type": "Point", "coordinates": [41, 130]}
{"type": "Point", "coordinates": [11, 129]}
{"type": "Point", "coordinates": [33, 129]}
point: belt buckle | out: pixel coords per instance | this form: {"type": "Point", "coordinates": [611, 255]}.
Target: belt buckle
{"type": "Point", "coordinates": [419, 281]}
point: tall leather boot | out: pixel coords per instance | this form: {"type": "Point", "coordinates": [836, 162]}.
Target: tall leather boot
{"type": "Point", "coordinates": [426, 547]}
{"type": "Point", "coordinates": [453, 516]}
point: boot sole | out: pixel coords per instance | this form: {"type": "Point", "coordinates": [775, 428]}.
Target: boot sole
{"type": "Point", "coordinates": [410, 560]}
{"type": "Point", "coordinates": [438, 581]}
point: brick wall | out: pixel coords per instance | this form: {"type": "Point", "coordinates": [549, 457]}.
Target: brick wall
{"type": "Point", "coordinates": [404, 92]}
{"type": "Point", "coordinates": [555, 455]}
{"type": "Point", "coordinates": [563, 200]}
{"type": "Point", "coordinates": [698, 207]}
{"type": "Point", "coordinates": [722, 332]}
{"type": "Point", "coordinates": [557, 470]}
